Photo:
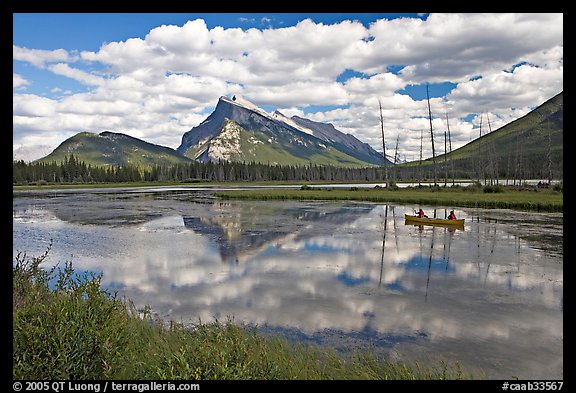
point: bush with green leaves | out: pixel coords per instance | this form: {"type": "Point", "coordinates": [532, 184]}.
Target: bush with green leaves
{"type": "Point", "coordinates": [71, 331]}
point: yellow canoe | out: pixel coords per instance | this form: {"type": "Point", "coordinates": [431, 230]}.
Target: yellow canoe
{"type": "Point", "coordinates": [433, 221]}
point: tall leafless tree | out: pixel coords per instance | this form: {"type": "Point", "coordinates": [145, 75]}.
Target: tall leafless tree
{"type": "Point", "coordinates": [450, 147]}
{"type": "Point", "coordinates": [396, 158]}
{"type": "Point", "coordinates": [431, 134]}
{"type": "Point", "coordinates": [549, 153]}
{"type": "Point", "coordinates": [383, 144]}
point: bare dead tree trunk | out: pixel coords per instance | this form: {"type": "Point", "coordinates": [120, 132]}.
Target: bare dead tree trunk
{"type": "Point", "coordinates": [493, 156]}
{"type": "Point", "coordinates": [396, 157]}
{"type": "Point", "coordinates": [431, 134]}
{"type": "Point", "coordinates": [420, 160]}
{"type": "Point", "coordinates": [549, 154]}
{"type": "Point", "coordinates": [445, 160]}
{"type": "Point", "coordinates": [383, 144]}
{"type": "Point", "coordinates": [450, 145]}
{"type": "Point", "coordinates": [479, 173]}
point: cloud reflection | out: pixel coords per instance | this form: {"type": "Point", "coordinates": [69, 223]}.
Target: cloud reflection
{"type": "Point", "coordinates": [317, 267]}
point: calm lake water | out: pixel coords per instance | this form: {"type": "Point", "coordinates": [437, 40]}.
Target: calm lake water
{"type": "Point", "coordinates": [348, 275]}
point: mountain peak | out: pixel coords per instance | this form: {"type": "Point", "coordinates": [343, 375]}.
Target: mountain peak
{"type": "Point", "coordinates": [265, 137]}
{"type": "Point", "coordinates": [243, 102]}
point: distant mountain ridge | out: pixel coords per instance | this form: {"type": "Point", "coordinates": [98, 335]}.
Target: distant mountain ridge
{"type": "Point", "coordinates": [531, 144]}
{"type": "Point", "coordinates": [238, 130]}
{"type": "Point", "coordinates": [116, 149]}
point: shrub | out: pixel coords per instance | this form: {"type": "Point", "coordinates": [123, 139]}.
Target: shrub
{"type": "Point", "coordinates": [493, 189]}
{"type": "Point", "coordinates": [474, 187]}
{"type": "Point", "coordinates": [558, 187]}
{"type": "Point", "coordinates": [392, 185]}
{"type": "Point", "coordinates": [65, 332]}
{"type": "Point", "coordinates": [29, 280]}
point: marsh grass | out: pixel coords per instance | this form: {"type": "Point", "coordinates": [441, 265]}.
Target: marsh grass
{"type": "Point", "coordinates": [479, 197]}
{"type": "Point", "coordinates": [65, 326]}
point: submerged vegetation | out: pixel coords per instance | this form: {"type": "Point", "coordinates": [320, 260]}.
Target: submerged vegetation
{"type": "Point", "coordinates": [65, 326]}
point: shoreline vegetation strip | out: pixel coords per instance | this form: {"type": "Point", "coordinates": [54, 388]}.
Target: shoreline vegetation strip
{"type": "Point", "coordinates": [504, 197]}
{"type": "Point", "coordinates": [545, 201]}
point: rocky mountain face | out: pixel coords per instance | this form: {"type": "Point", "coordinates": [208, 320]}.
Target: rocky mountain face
{"type": "Point", "coordinates": [238, 130]}
{"type": "Point", "coordinates": [347, 143]}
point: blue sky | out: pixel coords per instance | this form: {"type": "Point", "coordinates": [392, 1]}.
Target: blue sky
{"type": "Point", "coordinates": [155, 76]}
{"type": "Point", "coordinates": [87, 30]}
{"type": "Point", "coordinates": [72, 31]}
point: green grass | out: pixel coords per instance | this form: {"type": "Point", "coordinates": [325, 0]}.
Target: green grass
{"type": "Point", "coordinates": [73, 329]}
{"type": "Point", "coordinates": [506, 198]}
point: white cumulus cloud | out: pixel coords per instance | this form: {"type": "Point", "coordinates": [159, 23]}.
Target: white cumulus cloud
{"type": "Point", "coordinates": [159, 86]}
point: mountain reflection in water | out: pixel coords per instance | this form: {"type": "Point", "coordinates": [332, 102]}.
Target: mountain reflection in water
{"type": "Point", "coordinates": [243, 234]}
{"type": "Point", "coordinates": [351, 275]}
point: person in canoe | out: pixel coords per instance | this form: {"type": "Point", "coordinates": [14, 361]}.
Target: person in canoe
{"type": "Point", "coordinates": [452, 216]}
{"type": "Point", "coordinates": [421, 214]}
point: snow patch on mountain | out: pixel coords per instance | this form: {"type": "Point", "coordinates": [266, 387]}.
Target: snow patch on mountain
{"type": "Point", "coordinates": [283, 118]}
{"type": "Point", "coordinates": [244, 103]}
{"type": "Point", "coordinates": [278, 116]}
{"type": "Point", "coordinates": [253, 140]}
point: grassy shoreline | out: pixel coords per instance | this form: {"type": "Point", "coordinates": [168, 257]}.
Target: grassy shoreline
{"type": "Point", "coordinates": [541, 200]}
{"type": "Point", "coordinates": [504, 197]}
{"type": "Point", "coordinates": [76, 330]}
